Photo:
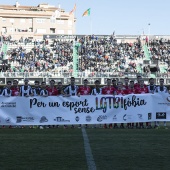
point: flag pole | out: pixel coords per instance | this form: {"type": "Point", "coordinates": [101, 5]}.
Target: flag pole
{"type": "Point", "coordinates": [75, 17]}
{"type": "Point", "coordinates": [59, 6]}
{"type": "Point", "coordinates": [88, 13]}
{"type": "Point", "coordinates": [90, 24]}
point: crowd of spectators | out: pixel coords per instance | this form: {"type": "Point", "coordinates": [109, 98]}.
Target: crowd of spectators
{"type": "Point", "coordinates": [97, 57]}
{"type": "Point", "coordinates": [160, 50]}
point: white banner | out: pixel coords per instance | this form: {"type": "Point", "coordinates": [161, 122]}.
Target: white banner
{"type": "Point", "coordinates": [58, 110]}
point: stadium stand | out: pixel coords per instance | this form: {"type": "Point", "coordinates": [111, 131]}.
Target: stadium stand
{"type": "Point", "coordinates": [98, 57]}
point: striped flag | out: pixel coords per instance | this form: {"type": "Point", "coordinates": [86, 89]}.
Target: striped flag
{"type": "Point", "coordinates": [86, 13]}
{"type": "Point", "coordinates": [71, 12]}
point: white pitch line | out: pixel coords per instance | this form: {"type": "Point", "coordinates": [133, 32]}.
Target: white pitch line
{"type": "Point", "coordinates": [89, 156]}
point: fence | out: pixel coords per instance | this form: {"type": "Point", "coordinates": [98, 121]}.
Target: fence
{"type": "Point", "coordinates": [64, 77]}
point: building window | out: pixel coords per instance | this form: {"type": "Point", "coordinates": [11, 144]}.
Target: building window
{"type": "Point", "coordinates": [52, 20]}
{"type": "Point", "coordinates": [12, 20]}
{"type": "Point", "coordinates": [3, 19]}
{"type": "Point", "coordinates": [22, 30]}
{"type": "Point", "coordinates": [52, 30]}
{"type": "Point", "coordinates": [60, 22]}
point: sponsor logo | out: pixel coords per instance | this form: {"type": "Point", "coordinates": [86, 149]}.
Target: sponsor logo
{"type": "Point", "coordinates": [60, 119]}
{"type": "Point", "coordinates": [77, 119]}
{"type": "Point", "coordinates": [8, 104]}
{"type": "Point", "coordinates": [140, 116]}
{"type": "Point", "coordinates": [160, 115]}
{"type": "Point", "coordinates": [168, 98]}
{"type": "Point", "coordinates": [127, 117]}
{"type": "Point", "coordinates": [149, 116]}
{"type": "Point", "coordinates": [24, 119]}
{"type": "Point", "coordinates": [166, 101]}
{"type": "Point", "coordinates": [115, 117]}
{"type": "Point", "coordinates": [43, 119]}
{"type": "Point", "coordinates": [8, 120]}
{"type": "Point", "coordinates": [19, 119]}
{"type": "Point", "coordinates": [88, 118]}
{"type": "Point", "coordinates": [101, 118]}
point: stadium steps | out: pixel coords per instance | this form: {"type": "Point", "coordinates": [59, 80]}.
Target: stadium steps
{"type": "Point", "coordinates": [5, 49]}
{"type": "Point", "coordinates": [139, 69]}
{"type": "Point", "coordinates": [146, 53]}
{"type": "Point", "coordinates": [152, 76]}
{"type": "Point", "coordinates": [163, 69]}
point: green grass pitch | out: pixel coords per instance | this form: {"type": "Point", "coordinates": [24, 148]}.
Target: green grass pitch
{"type": "Point", "coordinates": [63, 149]}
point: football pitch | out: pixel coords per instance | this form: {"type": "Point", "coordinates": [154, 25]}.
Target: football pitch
{"type": "Point", "coordinates": [83, 149]}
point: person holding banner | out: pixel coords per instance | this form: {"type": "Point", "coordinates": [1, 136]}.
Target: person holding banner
{"type": "Point", "coordinates": [96, 90]}
{"type": "Point", "coordinates": [151, 86]}
{"type": "Point", "coordinates": [161, 89]}
{"type": "Point", "coordinates": [60, 88]}
{"type": "Point", "coordinates": [44, 93]}
{"type": "Point", "coordinates": [49, 91]}
{"type": "Point", "coordinates": [26, 89]}
{"type": "Point", "coordinates": [131, 90]}
{"type": "Point", "coordinates": [120, 91]}
{"type": "Point", "coordinates": [36, 89]}
{"type": "Point", "coordinates": [114, 83]}
{"type": "Point", "coordinates": [142, 89]}
{"type": "Point", "coordinates": [52, 90]}
{"type": "Point", "coordinates": [71, 90]}
{"type": "Point", "coordinates": [84, 90]}
{"type": "Point", "coordinates": [43, 90]}
{"type": "Point", "coordinates": [151, 89]}
{"type": "Point", "coordinates": [7, 92]}
{"type": "Point", "coordinates": [108, 90]}
{"type": "Point", "coordinates": [126, 81]}
{"type": "Point", "coordinates": [60, 93]}
{"type": "Point", "coordinates": [15, 88]}
{"type": "Point", "coordinates": [139, 78]}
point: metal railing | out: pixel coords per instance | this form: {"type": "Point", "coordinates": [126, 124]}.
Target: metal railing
{"type": "Point", "coordinates": [64, 77]}
{"type": "Point", "coordinates": [87, 74]}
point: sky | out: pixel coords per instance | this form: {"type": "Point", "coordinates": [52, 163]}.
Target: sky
{"type": "Point", "coordinates": [124, 17]}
